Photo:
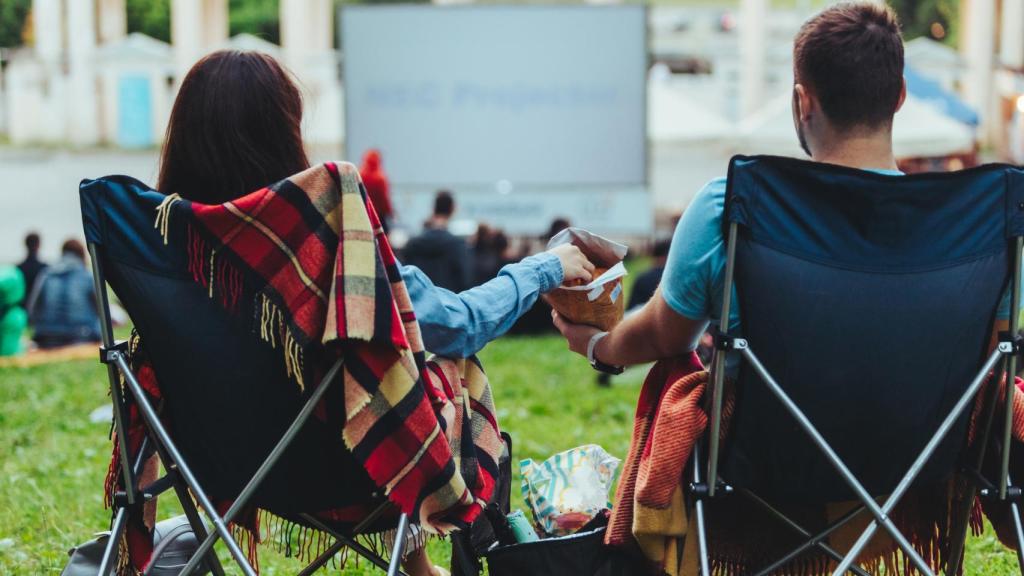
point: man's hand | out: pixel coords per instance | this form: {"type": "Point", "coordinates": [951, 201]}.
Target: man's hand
{"type": "Point", "coordinates": [575, 265]}
{"type": "Point", "coordinates": [577, 335]}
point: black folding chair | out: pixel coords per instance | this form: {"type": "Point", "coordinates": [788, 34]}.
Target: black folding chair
{"type": "Point", "coordinates": [235, 429]}
{"type": "Point", "coordinates": [869, 300]}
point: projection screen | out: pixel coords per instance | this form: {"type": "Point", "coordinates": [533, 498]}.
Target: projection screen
{"type": "Point", "coordinates": [524, 112]}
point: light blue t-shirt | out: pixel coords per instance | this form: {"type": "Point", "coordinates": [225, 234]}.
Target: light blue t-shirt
{"type": "Point", "coordinates": [695, 272]}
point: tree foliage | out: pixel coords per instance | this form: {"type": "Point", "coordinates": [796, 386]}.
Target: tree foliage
{"type": "Point", "coordinates": [12, 21]}
{"type": "Point", "coordinates": [258, 17]}
{"type": "Point", "coordinates": [920, 16]}
{"type": "Point", "coordinates": [151, 17]}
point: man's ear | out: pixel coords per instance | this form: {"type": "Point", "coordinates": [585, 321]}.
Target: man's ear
{"type": "Point", "coordinates": [804, 102]}
{"type": "Point", "coordinates": [903, 95]}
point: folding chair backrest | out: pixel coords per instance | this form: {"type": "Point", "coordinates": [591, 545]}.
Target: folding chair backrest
{"type": "Point", "coordinates": [227, 398]}
{"type": "Point", "coordinates": [870, 298]}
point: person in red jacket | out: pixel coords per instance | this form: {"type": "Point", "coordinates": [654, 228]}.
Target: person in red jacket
{"type": "Point", "coordinates": [376, 182]}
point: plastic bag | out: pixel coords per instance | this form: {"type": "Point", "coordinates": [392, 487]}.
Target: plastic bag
{"type": "Point", "coordinates": [567, 490]}
{"type": "Point", "coordinates": [601, 302]}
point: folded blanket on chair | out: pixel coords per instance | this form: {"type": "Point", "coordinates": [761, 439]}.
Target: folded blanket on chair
{"type": "Point", "coordinates": [649, 505]}
{"type": "Point", "coordinates": [307, 260]}
{"type": "Point", "coordinates": [650, 514]}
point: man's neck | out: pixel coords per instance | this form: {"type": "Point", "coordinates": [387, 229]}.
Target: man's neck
{"type": "Point", "coordinates": [867, 151]}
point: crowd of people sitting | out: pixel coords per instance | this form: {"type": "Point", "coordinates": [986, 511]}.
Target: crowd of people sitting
{"type": "Point", "coordinates": [56, 300]}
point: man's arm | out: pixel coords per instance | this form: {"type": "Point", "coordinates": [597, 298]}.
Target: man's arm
{"type": "Point", "coordinates": [654, 332]}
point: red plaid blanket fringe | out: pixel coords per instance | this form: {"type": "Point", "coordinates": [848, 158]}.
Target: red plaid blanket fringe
{"type": "Point", "coordinates": [308, 259]}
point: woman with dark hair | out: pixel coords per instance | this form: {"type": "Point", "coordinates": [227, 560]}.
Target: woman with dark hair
{"type": "Point", "coordinates": [235, 128]}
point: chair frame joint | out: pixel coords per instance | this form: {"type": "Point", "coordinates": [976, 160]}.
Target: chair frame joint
{"type": "Point", "coordinates": [729, 342]}
{"type": "Point", "coordinates": [110, 354]}
{"type": "Point", "coordinates": [1010, 344]}
{"type": "Point", "coordinates": [701, 490]}
{"type": "Point", "coordinates": [1013, 494]}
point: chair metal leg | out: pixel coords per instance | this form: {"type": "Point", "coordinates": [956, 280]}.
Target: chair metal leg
{"type": "Point", "coordinates": [198, 527]}
{"type": "Point", "coordinates": [323, 559]}
{"type": "Point", "coordinates": [1011, 370]}
{"type": "Point", "coordinates": [718, 371]}
{"type": "Point", "coordinates": [107, 337]}
{"type": "Point", "coordinates": [349, 543]}
{"type": "Point", "coordinates": [396, 549]}
{"type": "Point", "coordinates": [963, 514]}
{"type": "Point", "coordinates": [702, 535]}
{"type": "Point", "coordinates": [880, 513]}
{"type": "Point", "coordinates": [109, 559]}
{"type": "Point", "coordinates": [164, 439]}
{"type": "Point", "coordinates": [915, 468]}
{"type": "Point", "coordinates": [813, 540]}
{"type": "Point", "coordinates": [243, 497]}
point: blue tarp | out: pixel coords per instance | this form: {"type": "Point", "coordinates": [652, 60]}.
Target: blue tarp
{"type": "Point", "coordinates": [925, 88]}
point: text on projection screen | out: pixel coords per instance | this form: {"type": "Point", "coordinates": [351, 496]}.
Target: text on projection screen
{"type": "Point", "coordinates": [547, 95]}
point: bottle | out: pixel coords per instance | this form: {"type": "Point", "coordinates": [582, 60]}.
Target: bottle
{"type": "Point", "coordinates": [521, 527]}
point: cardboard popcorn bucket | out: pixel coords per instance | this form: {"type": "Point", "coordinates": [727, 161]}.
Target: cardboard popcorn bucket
{"type": "Point", "coordinates": [601, 302]}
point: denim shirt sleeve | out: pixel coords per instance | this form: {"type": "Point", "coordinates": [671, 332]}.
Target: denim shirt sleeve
{"type": "Point", "coordinates": [460, 325]}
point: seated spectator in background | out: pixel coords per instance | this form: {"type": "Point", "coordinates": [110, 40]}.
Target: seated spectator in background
{"type": "Point", "coordinates": [13, 319]}
{"type": "Point", "coordinates": [31, 266]}
{"type": "Point", "coordinates": [489, 253]}
{"type": "Point", "coordinates": [485, 260]}
{"type": "Point", "coordinates": [376, 182]}
{"type": "Point", "coordinates": [557, 225]}
{"type": "Point", "coordinates": [647, 283]}
{"type": "Point", "coordinates": [441, 255]}
{"type": "Point", "coordinates": [62, 306]}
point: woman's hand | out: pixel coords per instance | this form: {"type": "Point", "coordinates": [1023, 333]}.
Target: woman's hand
{"type": "Point", "coordinates": [575, 265]}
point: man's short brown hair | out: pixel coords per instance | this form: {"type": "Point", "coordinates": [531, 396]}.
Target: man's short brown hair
{"type": "Point", "coordinates": [851, 57]}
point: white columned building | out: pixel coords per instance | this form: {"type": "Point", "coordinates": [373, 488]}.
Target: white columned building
{"type": "Point", "coordinates": [83, 126]}
{"type": "Point", "coordinates": [978, 46]}
{"type": "Point", "coordinates": [307, 45]}
{"type": "Point", "coordinates": [86, 81]}
{"type": "Point", "coordinates": [113, 24]}
{"type": "Point", "coordinates": [753, 37]}
{"type": "Point", "coordinates": [197, 26]}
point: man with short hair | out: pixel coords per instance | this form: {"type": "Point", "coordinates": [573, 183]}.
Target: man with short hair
{"type": "Point", "coordinates": [441, 255]}
{"type": "Point", "coordinates": [31, 266]}
{"type": "Point", "coordinates": [848, 85]}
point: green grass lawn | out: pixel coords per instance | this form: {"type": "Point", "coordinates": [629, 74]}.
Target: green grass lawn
{"type": "Point", "coordinates": [53, 459]}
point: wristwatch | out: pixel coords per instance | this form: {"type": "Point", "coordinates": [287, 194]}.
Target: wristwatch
{"type": "Point", "coordinates": [594, 362]}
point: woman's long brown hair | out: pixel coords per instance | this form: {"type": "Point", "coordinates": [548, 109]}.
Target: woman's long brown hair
{"type": "Point", "coordinates": [235, 127]}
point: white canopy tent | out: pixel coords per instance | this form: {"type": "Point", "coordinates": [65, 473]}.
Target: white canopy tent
{"type": "Point", "coordinates": [674, 117]}
{"type": "Point", "coordinates": [920, 131]}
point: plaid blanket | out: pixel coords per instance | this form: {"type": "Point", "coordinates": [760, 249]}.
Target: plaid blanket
{"type": "Point", "coordinates": [307, 260]}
